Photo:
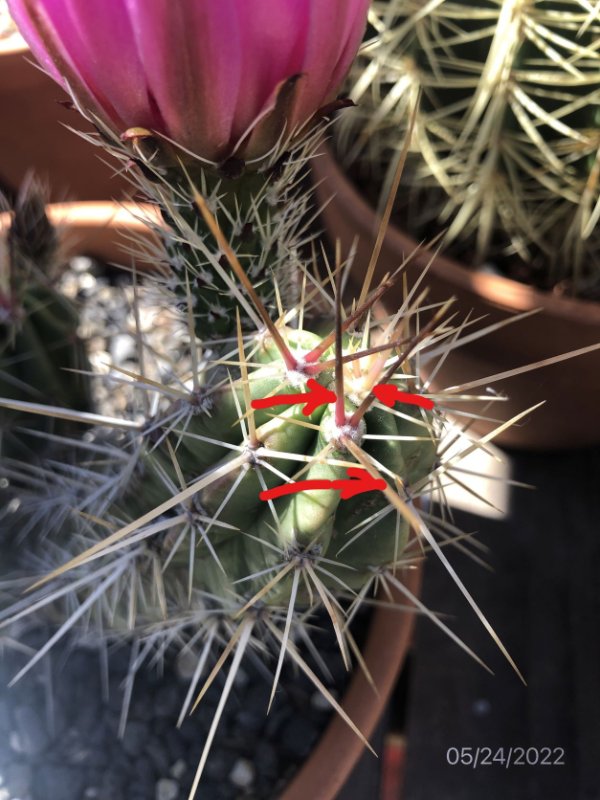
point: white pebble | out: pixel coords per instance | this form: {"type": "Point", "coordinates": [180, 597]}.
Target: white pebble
{"type": "Point", "coordinates": [242, 774]}
{"type": "Point", "coordinates": [185, 665]}
{"type": "Point", "coordinates": [122, 348]}
{"type": "Point", "coordinates": [178, 769]}
{"type": "Point", "coordinates": [81, 263]}
{"type": "Point", "coordinates": [167, 789]}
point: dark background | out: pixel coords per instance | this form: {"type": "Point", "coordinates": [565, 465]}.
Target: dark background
{"type": "Point", "coordinates": [543, 599]}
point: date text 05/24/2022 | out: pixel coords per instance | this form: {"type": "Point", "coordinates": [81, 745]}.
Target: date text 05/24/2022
{"type": "Point", "coordinates": [505, 757]}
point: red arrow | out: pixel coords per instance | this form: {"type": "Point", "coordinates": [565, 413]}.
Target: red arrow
{"type": "Point", "coordinates": [389, 394]}
{"type": "Point", "coordinates": [316, 396]}
{"type": "Point", "coordinates": [358, 481]}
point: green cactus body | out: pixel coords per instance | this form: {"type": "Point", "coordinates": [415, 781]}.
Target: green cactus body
{"type": "Point", "coordinates": [157, 527]}
{"type": "Point", "coordinates": [250, 536]}
{"type": "Point", "coordinates": [43, 348]}
{"type": "Point", "coordinates": [164, 518]}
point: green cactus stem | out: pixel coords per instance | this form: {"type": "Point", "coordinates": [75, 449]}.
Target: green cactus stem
{"type": "Point", "coordinates": [41, 353]}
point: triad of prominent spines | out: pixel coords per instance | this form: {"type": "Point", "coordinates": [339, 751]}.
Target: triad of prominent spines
{"type": "Point", "coordinates": [41, 355]}
{"type": "Point", "coordinates": [234, 453]}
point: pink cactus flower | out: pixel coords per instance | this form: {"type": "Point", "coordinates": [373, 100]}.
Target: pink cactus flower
{"type": "Point", "coordinates": [217, 77]}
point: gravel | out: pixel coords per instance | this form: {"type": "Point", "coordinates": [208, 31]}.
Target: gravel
{"type": "Point", "coordinates": [74, 751]}
{"type": "Point", "coordinates": [243, 773]}
{"type": "Point", "coordinates": [108, 326]}
{"type": "Point", "coordinates": [167, 789]}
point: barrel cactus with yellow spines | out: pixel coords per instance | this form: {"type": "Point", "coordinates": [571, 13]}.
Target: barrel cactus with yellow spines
{"type": "Point", "coordinates": [505, 150]}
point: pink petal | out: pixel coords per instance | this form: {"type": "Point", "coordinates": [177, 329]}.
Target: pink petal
{"type": "Point", "coordinates": [99, 39]}
{"type": "Point", "coordinates": [273, 43]}
{"type": "Point", "coordinates": [29, 31]}
{"type": "Point", "coordinates": [336, 29]}
{"type": "Point", "coordinates": [356, 22]}
{"type": "Point", "coordinates": [191, 56]}
{"type": "Point", "coordinates": [199, 71]}
{"type": "Point", "coordinates": [97, 51]}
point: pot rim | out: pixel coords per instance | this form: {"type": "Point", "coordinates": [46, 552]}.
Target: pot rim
{"type": "Point", "coordinates": [105, 224]}
{"type": "Point", "coordinates": [103, 214]}
{"type": "Point", "coordinates": [505, 293]}
{"type": "Point", "coordinates": [339, 749]}
{"type": "Point", "coordinates": [13, 45]}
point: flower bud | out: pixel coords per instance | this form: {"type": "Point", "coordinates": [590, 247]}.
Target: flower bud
{"type": "Point", "coordinates": [218, 78]}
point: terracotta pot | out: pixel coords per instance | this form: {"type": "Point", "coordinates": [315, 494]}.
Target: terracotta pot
{"type": "Point", "coordinates": [571, 389]}
{"type": "Point", "coordinates": [33, 134]}
{"type": "Point", "coordinates": [101, 229]}
{"type": "Point", "coordinates": [339, 749]}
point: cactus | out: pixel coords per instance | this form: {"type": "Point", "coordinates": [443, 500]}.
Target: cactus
{"type": "Point", "coordinates": [39, 345]}
{"type": "Point", "coordinates": [156, 527]}
{"type": "Point", "coordinates": [262, 211]}
{"type": "Point", "coordinates": [506, 142]}
{"type": "Point", "coordinates": [232, 463]}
